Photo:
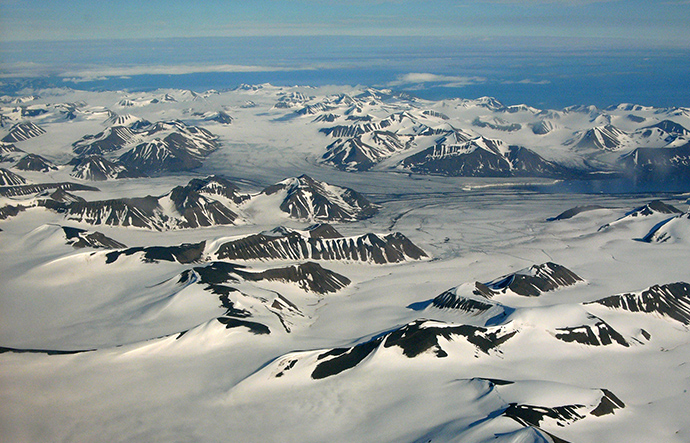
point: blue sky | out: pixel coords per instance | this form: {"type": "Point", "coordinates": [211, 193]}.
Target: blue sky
{"type": "Point", "coordinates": [639, 22]}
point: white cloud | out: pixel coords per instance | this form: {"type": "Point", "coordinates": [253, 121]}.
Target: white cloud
{"type": "Point", "coordinates": [102, 73]}
{"type": "Point", "coordinates": [446, 80]}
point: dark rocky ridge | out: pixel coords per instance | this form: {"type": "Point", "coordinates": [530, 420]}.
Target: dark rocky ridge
{"type": "Point", "coordinates": [184, 253]}
{"type": "Point", "coordinates": [292, 245]}
{"type": "Point", "coordinates": [671, 300]}
{"type": "Point", "coordinates": [572, 212]}
{"type": "Point", "coordinates": [9, 178]}
{"type": "Point", "coordinates": [23, 131]}
{"type": "Point", "coordinates": [599, 333]}
{"type": "Point", "coordinates": [414, 339]}
{"type": "Point", "coordinates": [34, 162]}
{"type": "Point", "coordinates": [16, 191]}
{"type": "Point", "coordinates": [309, 276]}
{"type": "Point", "coordinates": [531, 282]}
{"type": "Point", "coordinates": [81, 238]}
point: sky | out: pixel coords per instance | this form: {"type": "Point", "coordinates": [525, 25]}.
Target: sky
{"type": "Point", "coordinates": [641, 22]}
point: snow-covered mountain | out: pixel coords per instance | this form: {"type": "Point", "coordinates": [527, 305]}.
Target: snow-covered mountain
{"type": "Point", "coordinates": [249, 305]}
{"type": "Point", "coordinates": [321, 242]}
{"type": "Point", "coordinates": [23, 131]}
{"type": "Point", "coordinates": [9, 178]}
{"type": "Point", "coordinates": [305, 198]}
{"type": "Point", "coordinates": [482, 157]}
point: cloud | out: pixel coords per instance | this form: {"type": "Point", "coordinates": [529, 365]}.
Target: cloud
{"type": "Point", "coordinates": [526, 81]}
{"type": "Point", "coordinates": [78, 75]}
{"type": "Point", "coordinates": [450, 81]}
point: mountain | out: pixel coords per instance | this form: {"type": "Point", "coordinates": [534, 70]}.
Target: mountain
{"type": "Point", "coordinates": [321, 242]}
{"type": "Point", "coordinates": [81, 238]}
{"type": "Point", "coordinates": [543, 127]}
{"type": "Point", "coordinates": [97, 168]}
{"type": "Point", "coordinates": [173, 147]}
{"type": "Point", "coordinates": [482, 157]}
{"type": "Point", "coordinates": [10, 153]}
{"type": "Point", "coordinates": [111, 139]}
{"type": "Point", "coordinates": [671, 230]}
{"type": "Point", "coordinates": [197, 206]}
{"type": "Point", "coordinates": [652, 208]}
{"type": "Point", "coordinates": [306, 198]}
{"type": "Point", "coordinates": [23, 190]}
{"type": "Point", "coordinates": [362, 152]}
{"type": "Point", "coordinates": [9, 178]}
{"type": "Point", "coordinates": [368, 140]}
{"type": "Point", "coordinates": [34, 162]}
{"type": "Point", "coordinates": [572, 212]}
{"type": "Point", "coordinates": [125, 121]}
{"type": "Point", "coordinates": [497, 124]}
{"type": "Point", "coordinates": [184, 207]}
{"type": "Point", "coordinates": [670, 300]}
{"type": "Point", "coordinates": [163, 146]}
{"type": "Point", "coordinates": [23, 131]}
{"type": "Point", "coordinates": [671, 127]}
{"type": "Point", "coordinates": [476, 299]}
{"type": "Point", "coordinates": [605, 138]}
{"type": "Point", "coordinates": [649, 165]}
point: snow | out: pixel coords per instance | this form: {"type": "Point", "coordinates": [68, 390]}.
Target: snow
{"type": "Point", "coordinates": [146, 382]}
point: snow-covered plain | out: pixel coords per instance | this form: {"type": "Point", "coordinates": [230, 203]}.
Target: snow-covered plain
{"type": "Point", "coordinates": [143, 378]}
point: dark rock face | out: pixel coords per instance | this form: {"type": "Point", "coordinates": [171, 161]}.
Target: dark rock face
{"type": "Point", "coordinates": [309, 276]}
{"type": "Point", "coordinates": [414, 339]}
{"type": "Point", "coordinates": [599, 333]}
{"type": "Point", "coordinates": [33, 162]}
{"type": "Point", "coordinates": [291, 245]}
{"type": "Point", "coordinates": [80, 238]}
{"type": "Point", "coordinates": [572, 212]}
{"type": "Point", "coordinates": [310, 199]}
{"type": "Point", "coordinates": [670, 300]}
{"type": "Point", "coordinates": [254, 327]}
{"type": "Point", "coordinates": [23, 131]}
{"type": "Point", "coordinates": [9, 178]}
{"type": "Point", "coordinates": [184, 253]}
{"type": "Point", "coordinates": [10, 211]}
{"type": "Point", "coordinates": [532, 281]}
{"type": "Point", "coordinates": [97, 168]}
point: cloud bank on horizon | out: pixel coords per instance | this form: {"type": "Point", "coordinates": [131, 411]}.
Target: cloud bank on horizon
{"type": "Point", "coordinates": [635, 20]}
